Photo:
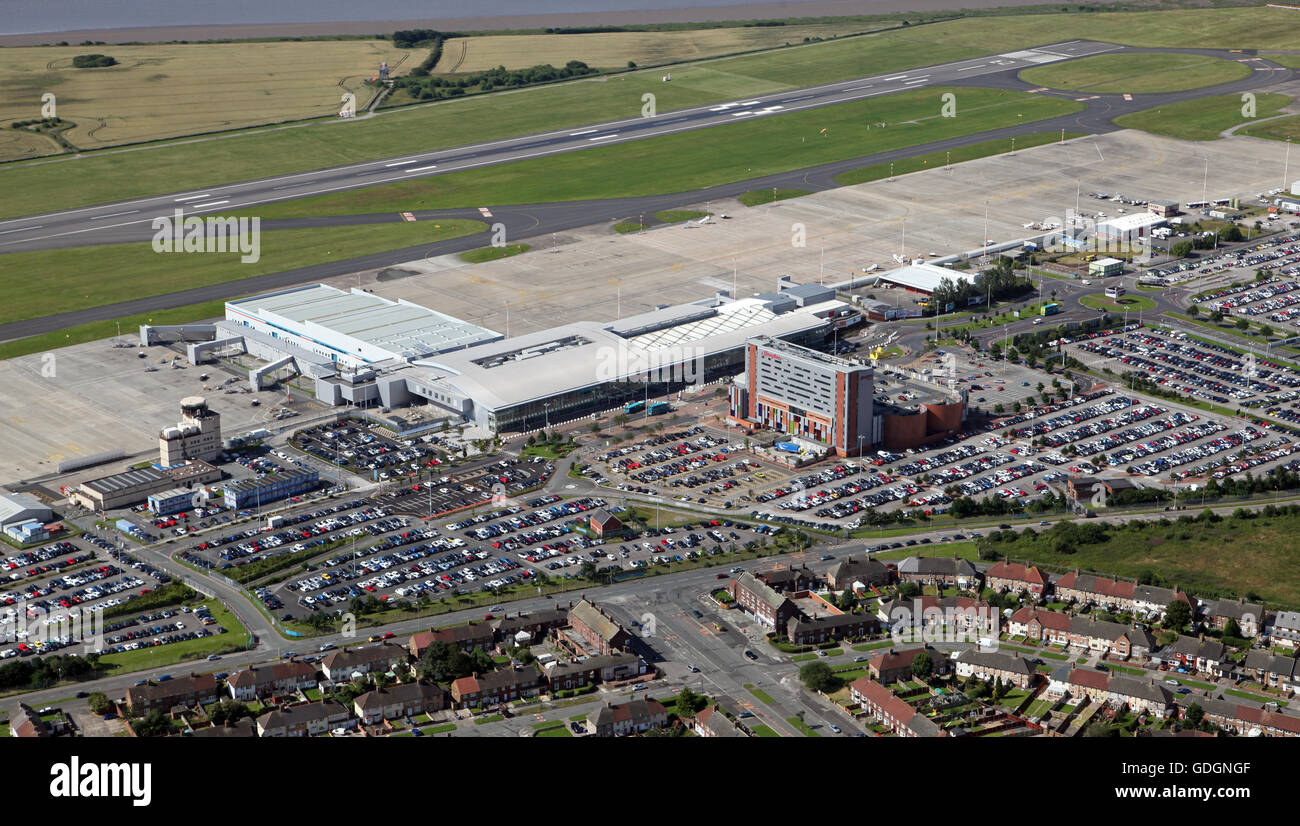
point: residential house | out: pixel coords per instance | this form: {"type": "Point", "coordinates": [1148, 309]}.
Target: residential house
{"type": "Point", "coordinates": [1113, 638]}
{"type": "Point", "coordinates": [1196, 654]}
{"type": "Point", "coordinates": [891, 712]}
{"type": "Point", "coordinates": [1116, 595]}
{"type": "Point", "coordinates": [711, 722]}
{"type": "Point", "coordinates": [790, 579]}
{"type": "Point", "coordinates": [1051, 627]}
{"type": "Point", "coordinates": [1247, 719]}
{"type": "Point", "coordinates": [341, 666]}
{"type": "Point", "coordinates": [406, 700]}
{"type": "Point", "coordinates": [869, 572]}
{"type": "Point", "coordinates": [243, 727]}
{"type": "Point", "coordinates": [196, 689]}
{"type": "Point", "coordinates": [941, 572]}
{"type": "Point", "coordinates": [1271, 669]}
{"type": "Point", "coordinates": [603, 668]}
{"type": "Point", "coordinates": [757, 597]}
{"type": "Point", "coordinates": [596, 630]}
{"type": "Point", "coordinates": [947, 617]}
{"type": "Point", "coordinates": [537, 624]}
{"type": "Point", "coordinates": [1015, 578]}
{"type": "Point", "coordinates": [802, 631]}
{"type": "Point", "coordinates": [1100, 687]}
{"type": "Point", "coordinates": [632, 717]}
{"type": "Point", "coordinates": [466, 637]}
{"type": "Point", "coordinates": [306, 719]}
{"type": "Point", "coordinates": [1248, 616]}
{"type": "Point", "coordinates": [270, 680]}
{"type": "Point", "coordinates": [27, 722]}
{"type": "Point", "coordinates": [896, 664]}
{"type": "Point", "coordinates": [1285, 629]}
{"type": "Point", "coordinates": [497, 687]}
{"type": "Point", "coordinates": [991, 666]}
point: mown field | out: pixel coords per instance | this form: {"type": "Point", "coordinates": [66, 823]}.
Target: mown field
{"type": "Point", "coordinates": [937, 159]}
{"type": "Point", "coordinates": [675, 163]}
{"type": "Point", "coordinates": [1140, 73]}
{"type": "Point", "coordinates": [55, 281]}
{"type": "Point", "coordinates": [612, 50]}
{"type": "Point", "coordinates": [163, 91]}
{"type": "Point", "coordinates": [1202, 119]}
{"type": "Point", "coordinates": [1281, 129]}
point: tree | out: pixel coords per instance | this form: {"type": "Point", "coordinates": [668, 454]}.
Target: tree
{"type": "Point", "coordinates": [1180, 249]}
{"type": "Point", "coordinates": [1231, 628]}
{"type": "Point", "coordinates": [846, 600]}
{"type": "Point", "coordinates": [1177, 615]}
{"type": "Point", "coordinates": [1194, 716]}
{"type": "Point", "coordinates": [922, 666]}
{"type": "Point", "coordinates": [688, 703]}
{"type": "Point", "coordinates": [99, 703]}
{"type": "Point", "coordinates": [1216, 316]}
{"type": "Point", "coordinates": [228, 711]}
{"type": "Point", "coordinates": [587, 570]}
{"type": "Point", "coordinates": [908, 590]}
{"type": "Point", "coordinates": [1243, 324]}
{"type": "Point", "coordinates": [817, 676]}
{"type": "Point", "coordinates": [1193, 311]}
{"type": "Point", "coordinates": [153, 724]}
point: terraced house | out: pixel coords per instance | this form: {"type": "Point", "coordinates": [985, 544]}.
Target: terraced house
{"type": "Point", "coordinates": [307, 719]}
{"type": "Point", "coordinates": [1272, 670]}
{"type": "Point", "coordinates": [1116, 690]}
{"type": "Point", "coordinates": [632, 717]}
{"type": "Point", "coordinates": [268, 680]}
{"type": "Point", "coordinates": [602, 668]}
{"type": "Point", "coordinates": [1014, 578]}
{"type": "Point", "coordinates": [1118, 595]}
{"type": "Point", "coordinates": [1249, 616]}
{"type": "Point", "coordinates": [1102, 636]}
{"type": "Point", "coordinates": [339, 666]}
{"type": "Point", "coordinates": [937, 615]}
{"type": "Point", "coordinates": [896, 664]}
{"type": "Point", "coordinates": [1195, 654]}
{"type": "Point", "coordinates": [595, 631]}
{"type": "Point", "coordinates": [196, 689]}
{"type": "Point", "coordinates": [848, 571]}
{"type": "Point", "coordinates": [1250, 719]}
{"type": "Point", "coordinates": [891, 712]}
{"type": "Point", "coordinates": [496, 687]}
{"type": "Point", "coordinates": [801, 631]}
{"type": "Point", "coordinates": [711, 722]}
{"type": "Point", "coordinates": [408, 699]}
{"type": "Point", "coordinates": [940, 572]}
{"type": "Point", "coordinates": [991, 666]}
{"type": "Point", "coordinates": [772, 608]}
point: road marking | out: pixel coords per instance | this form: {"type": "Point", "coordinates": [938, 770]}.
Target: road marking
{"type": "Point", "coordinates": [742, 114]}
{"type": "Point", "coordinates": [487, 213]}
{"type": "Point", "coordinates": [421, 169]}
{"type": "Point", "coordinates": [193, 197]}
{"type": "Point", "coordinates": [918, 80]}
{"type": "Point", "coordinates": [208, 204]}
{"type": "Point", "coordinates": [750, 103]}
{"type": "Point", "coordinates": [114, 214]}
{"type": "Point", "coordinates": [21, 229]}
{"type": "Point", "coordinates": [400, 163]}
{"type": "Point", "coordinates": [1128, 97]}
{"type": "Point", "coordinates": [583, 132]}
{"type": "Point", "coordinates": [896, 77]}
{"type": "Point", "coordinates": [976, 66]}
{"type": "Point", "coordinates": [1094, 97]}
{"type": "Point", "coordinates": [406, 216]}
{"type": "Point", "coordinates": [603, 137]}
{"type": "Point", "coordinates": [1039, 89]}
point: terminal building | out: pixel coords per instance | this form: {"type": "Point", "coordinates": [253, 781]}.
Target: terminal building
{"type": "Point", "coordinates": [196, 436]}
{"type": "Point", "coordinates": [364, 350]}
{"type": "Point", "coordinates": [923, 278]}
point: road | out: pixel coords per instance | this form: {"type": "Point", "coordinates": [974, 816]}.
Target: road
{"type": "Point", "coordinates": [125, 221]}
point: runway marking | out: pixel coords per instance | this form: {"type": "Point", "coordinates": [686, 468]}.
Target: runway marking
{"type": "Point", "coordinates": [421, 169]}
{"type": "Point", "coordinates": [896, 77]}
{"type": "Point", "coordinates": [1094, 97]}
{"type": "Point", "coordinates": [583, 132]}
{"type": "Point", "coordinates": [486, 213]}
{"type": "Point", "coordinates": [1128, 97]}
{"type": "Point", "coordinates": [603, 137]}
{"type": "Point", "coordinates": [976, 66]}
{"type": "Point", "coordinates": [21, 229]}
{"type": "Point", "coordinates": [114, 214]}
{"type": "Point", "coordinates": [1039, 89]}
{"type": "Point", "coordinates": [918, 80]}
{"type": "Point", "coordinates": [750, 103]}
{"type": "Point", "coordinates": [406, 216]}
{"type": "Point", "coordinates": [193, 197]}
{"type": "Point", "coordinates": [208, 204]}
{"type": "Point", "coordinates": [400, 163]}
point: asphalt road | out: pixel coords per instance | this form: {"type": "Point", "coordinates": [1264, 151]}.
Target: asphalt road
{"type": "Point", "coordinates": [131, 220]}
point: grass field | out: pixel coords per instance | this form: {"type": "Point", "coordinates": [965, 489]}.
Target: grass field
{"type": "Point", "coordinates": [762, 695]}
{"type": "Point", "coordinates": [936, 159]}
{"type": "Point", "coordinates": [802, 727]}
{"type": "Point", "coordinates": [1292, 60]}
{"type": "Point", "coordinates": [1202, 119]}
{"type": "Point", "coordinates": [676, 216]}
{"type": "Point", "coordinates": [673, 163]}
{"type": "Point", "coordinates": [1140, 73]}
{"type": "Point", "coordinates": [50, 281]}
{"type": "Point", "coordinates": [234, 639]}
{"type": "Point", "coordinates": [758, 197]}
{"type": "Point", "coordinates": [965, 550]}
{"type": "Point", "coordinates": [1238, 555]}
{"type": "Point", "coordinates": [612, 50]}
{"type": "Point", "coordinates": [100, 178]}
{"type": "Point", "coordinates": [478, 256]}
{"type": "Point", "coordinates": [1228, 28]}
{"type": "Point", "coordinates": [166, 90]}
{"type": "Point", "coordinates": [763, 731]}
{"type": "Point", "coordinates": [1279, 130]}
{"type": "Point", "coordinates": [1132, 303]}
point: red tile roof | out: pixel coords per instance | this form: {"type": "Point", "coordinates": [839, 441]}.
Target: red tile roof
{"type": "Point", "coordinates": [1017, 572]}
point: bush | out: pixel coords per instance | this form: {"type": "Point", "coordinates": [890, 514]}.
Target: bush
{"type": "Point", "coordinates": [93, 61]}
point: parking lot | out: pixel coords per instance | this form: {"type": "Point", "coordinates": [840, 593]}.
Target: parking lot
{"type": "Point", "coordinates": [467, 487]}
{"type": "Point", "coordinates": [358, 446]}
{"type": "Point", "coordinates": [60, 585]}
{"type": "Point", "coordinates": [1277, 255]}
